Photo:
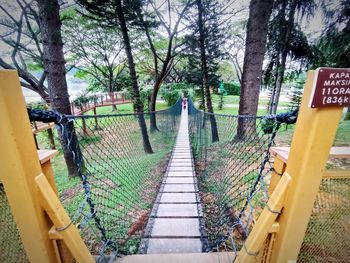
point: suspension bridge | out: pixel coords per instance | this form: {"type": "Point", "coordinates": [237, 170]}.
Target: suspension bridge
{"type": "Point", "coordinates": [174, 224]}
{"type": "Point", "coordinates": [210, 192]}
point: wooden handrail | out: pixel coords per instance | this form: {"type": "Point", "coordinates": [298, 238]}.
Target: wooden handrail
{"type": "Point", "coordinates": [336, 152]}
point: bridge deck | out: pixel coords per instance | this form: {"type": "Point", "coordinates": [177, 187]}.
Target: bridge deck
{"type": "Point", "coordinates": [174, 224]}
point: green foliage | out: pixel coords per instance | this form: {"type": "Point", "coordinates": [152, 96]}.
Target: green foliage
{"type": "Point", "coordinates": [213, 44]}
{"type": "Point", "coordinates": [84, 99]}
{"type": "Point", "coordinates": [96, 52]}
{"type": "Point", "coordinates": [81, 100]}
{"type": "Point", "coordinates": [38, 105]}
{"type": "Point", "coordinates": [173, 91]}
{"type": "Point", "coordinates": [35, 66]}
{"type": "Point", "coordinates": [145, 96]}
{"type": "Point", "coordinates": [233, 88]}
{"type": "Point", "coordinates": [295, 99]}
{"type": "Point", "coordinates": [347, 116]}
{"type": "Point", "coordinates": [268, 125]}
{"type": "Point", "coordinates": [171, 96]}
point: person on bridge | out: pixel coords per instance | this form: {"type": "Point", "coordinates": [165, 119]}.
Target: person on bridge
{"type": "Point", "coordinates": [184, 102]}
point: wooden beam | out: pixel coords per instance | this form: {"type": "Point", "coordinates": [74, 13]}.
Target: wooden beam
{"type": "Point", "coordinates": [62, 222]}
{"type": "Point", "coordinates": [336, 174]}
{"type": "Point", "coordinates": [19, 165]}
{"type": "Point", "coordinates": [335, 152]}
{"type": "Point", "coordinates": [265, 222]}
{"type": "Point", "coordinates": [279, 167]}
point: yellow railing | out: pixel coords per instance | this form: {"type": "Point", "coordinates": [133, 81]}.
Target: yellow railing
{"type": "Point", "coordinates": [30, 186]}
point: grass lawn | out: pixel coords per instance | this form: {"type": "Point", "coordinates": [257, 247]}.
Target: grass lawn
{"type": "Point", "coordinates": [232, 99]}
{"type": "Point", "coordinates": [231, 103]}
{"type": "Point", "coordinates": [124, 108]}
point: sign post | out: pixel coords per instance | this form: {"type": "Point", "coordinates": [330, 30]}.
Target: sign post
{"type": "Point", "coordinates": [318, 120]}
{"type": "Point", "coordinates": [331, 87]}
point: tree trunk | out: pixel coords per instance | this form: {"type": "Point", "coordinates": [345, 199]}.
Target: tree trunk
{"type": "Point", "coordinates": [152, 107]}
{"type": "Point", "coordinates": [205, 75]}
{"type": "Point", "coordinates": [55, 70]}
{"type": "Point", "coordinates": [158, 81]}
{"type": "Point", "coordinates": [278, 84]}
{"type": "Point", "coordinates": [136, 93]}
{"type": "Point", "coordinates": [259, 14]}
{"type": "Point", "coordinates": [273, 93]}
{"type": "Point", "coordinates": [202, 105]}
{"type": "Point", "coordinates": [284, 53]}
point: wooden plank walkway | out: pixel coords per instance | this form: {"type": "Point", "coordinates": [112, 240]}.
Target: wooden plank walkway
{"type": "Point", "coordinates": [174, 226]}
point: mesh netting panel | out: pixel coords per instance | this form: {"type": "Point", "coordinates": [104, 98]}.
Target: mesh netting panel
{"type": "Point", "coordinates": [11, 247]}
{"type": "Point", "coordinates": [120, 181]}
{"type": "Point", "coordinates": [231, 174]}
{"type": "Point", "coordinates": [327, 235]}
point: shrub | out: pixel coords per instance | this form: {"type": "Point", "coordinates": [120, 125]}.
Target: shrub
{"type": "Point", "coordinates": [145, 96]}
{"type": "Point", "coordinates": [268, 125]}
{"type": "Point", "coordinates": [81, 101]}
{"type": "Point", "coordinates": [173, 91]}
{"type": "Point", "coordinates": [171, 96]}
{"type": "Point", "coordinates": [38, 105]}
{"type": "Point", "coordinates": [232, 88]}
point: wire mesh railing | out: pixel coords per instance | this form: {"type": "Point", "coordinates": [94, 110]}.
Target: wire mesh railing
{"type": "Point", "coordinates": [11, 247]}
{"type": "Point", "coordinates": [232, 172]}
{"type": "Point", "coordinates": [119, 180]}
{"type": "Point", "coordinates": [327, 235]}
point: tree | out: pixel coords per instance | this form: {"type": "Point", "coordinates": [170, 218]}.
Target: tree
{"type": "Point", "coordinates": [98, 51]}
{"type": "Point", "coordinates": [259, 14]}
{"type": "Point", "coordinates": [287, 38]}
{"type": "Point", "coordinates": [235, 47]}
{"type": "Point", "coordinates": [20, 33]}
{"type": "Point", "coordinates": [333, 48]}
{"type": "Point", "coordinates": [54, 66]}
{"type": "Point", "coordinates": [118, 13]}
{"type": "Point", "coordinates": [162, 63]}
{"type": "Point", "coordinates": [206, 38]}
{"type": "Point", "coordinates": [204, 66]}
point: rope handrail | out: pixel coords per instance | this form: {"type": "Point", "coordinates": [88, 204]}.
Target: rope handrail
{"type": "Point", "coordinates": [232, 171]}
{"type": "Point", "coordinates": [48, 116]}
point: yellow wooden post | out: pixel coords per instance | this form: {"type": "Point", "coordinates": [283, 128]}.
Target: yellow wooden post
{"type": "Point", "coordinates": [313, 137]}
{"type": "Point", "coordinates": [279, 167]}
{"type": "Point", "coordinates": [63, 223]}
{"type": "Point", "coordinates": [19, 165]}
{"type": "Point", "coordinates": [265, 221]}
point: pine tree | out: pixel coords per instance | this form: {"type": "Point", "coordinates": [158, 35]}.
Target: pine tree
{"type": "Point", "coordinates": [205, 52]}
{"type": "Point", "coordinates": [122, 14]}
{"type": "Point", "coordinates": [54, 66]}
{"type": "Point", "coordinates": [286, 38]}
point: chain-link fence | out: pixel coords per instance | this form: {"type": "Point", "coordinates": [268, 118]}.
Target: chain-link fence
{"type": "Point", "coordinates": [327, 238]}
{"type": "Point", "coordinates": [11, 247]}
